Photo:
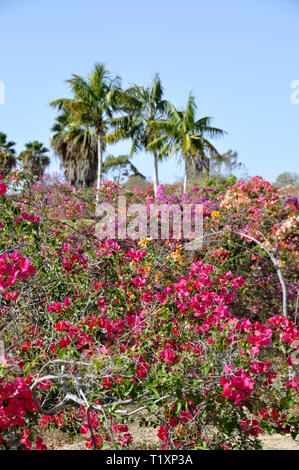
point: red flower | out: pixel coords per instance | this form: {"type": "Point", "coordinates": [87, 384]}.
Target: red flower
{"type": "Point", "coordinates": [67, 302]}
{"type": "Point", "coordinates": [3, 189]}
{"type": "Point", "coordinates": [25, 439]}
{"type": "Point", "coordinates": [39, 444]}
{"type": "Point", "coordinates": [173, 422]}
{"type": "Point", "coordinates": [26, 346]}
{"type": "Point", "coordinates": [163, 433]}
{"type": "Point", "coordinates": [107, 382]}
{"type": "Point", "coordinates": [167, 355]}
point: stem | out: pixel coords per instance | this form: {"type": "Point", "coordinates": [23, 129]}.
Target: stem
{"type": "Point", "coordinates": [284, 290]}
{"type": "Point", "coordinates": [100, 165]}
{"type": "Point", "coordinates": [185, 174]}
{"type": "Point", "coordinates": [274, 259]}
{"type": "Point", "coordinates": [156, 176]}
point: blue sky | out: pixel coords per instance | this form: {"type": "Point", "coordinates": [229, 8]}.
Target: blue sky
{"type": "Point", "coordinates": [238, 57]}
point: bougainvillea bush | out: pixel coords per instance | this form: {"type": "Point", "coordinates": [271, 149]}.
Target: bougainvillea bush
{"type": "Point", "coordinates": [99, 334]}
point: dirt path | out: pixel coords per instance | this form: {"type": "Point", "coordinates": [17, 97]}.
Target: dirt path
{"type": "Point", "coordinates": [278, 442]}
{"type": "Point", "coordinates": [146, 438]}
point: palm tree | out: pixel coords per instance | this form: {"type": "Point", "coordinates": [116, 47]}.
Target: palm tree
{"type": "Point", "coordinates": [7, 155]}
{"type": "Point", "coordinates": [145, 106]}
{"type": "Point", "coordinates": [183, 134]}
{"type": "Point", "coordinates": [92, 106]}
{"type": "Point", "coordinates": [7, 145]}
{"type": "Point", "coordinates": [34, 158]}
{"type": "Point", "coordinates": [76, 148]}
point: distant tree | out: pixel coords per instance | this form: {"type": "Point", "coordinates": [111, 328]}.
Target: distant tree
{"type": "Point", "coordinates": [76, 148]}
{"type": "Point", "coordinates": [137, 181]}
{"type": "Point", "coordinates": [287, 178]}
{"type": "Point", "coordinates": [187, 136]}
{"type": "Point", "coordinates": [227, 164]}
{"type": "Point", "coordinates": [91, 108]}
{"type": "Point", "coordinates": [146, 106]}
{"type": "Point", "coordinates": [34, 158]}
{"type": "Point", "coordinates": [7, 161]}
{"type": "Point", "coordinates": [7, 155]}
{"type": "Point", "coordinates": [8, 145]}
{"type": "Point", "coordinates": [119, 168]}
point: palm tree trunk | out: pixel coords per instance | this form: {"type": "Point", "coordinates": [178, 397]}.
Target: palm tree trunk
{"type": "Point", "coordinates": [185, 174]}
{"type": "Point", "coordinates": [156, 176]}
{"type": "Point", "coordinates": [100, 166]}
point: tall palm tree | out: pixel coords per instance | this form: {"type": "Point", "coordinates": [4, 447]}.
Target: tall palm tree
{"type": "Point", "coordinates": [7, 155]}
{"type": "Point", "coordinates": [76, 148]}
{"type": "Point", "coordinates": [183, 134]}
{"type": "Point", "coordinates": [34, 158]}
{"type": "Point", "coordinates": [92, 106]}
{"type": "Point", "coordinates": [145, 106]}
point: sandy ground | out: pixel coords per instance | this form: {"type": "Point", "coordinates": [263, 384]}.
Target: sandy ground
{"type": "Point", "coordinates": [146, 438]}
{"type": "Point", "coordinates": [278, 442]}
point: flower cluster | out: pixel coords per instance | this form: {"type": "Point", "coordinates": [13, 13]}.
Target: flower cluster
{"type": "Point", "coordinates": [13, 267]}
{"type": "Point", "coordinates": [98, 330]}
